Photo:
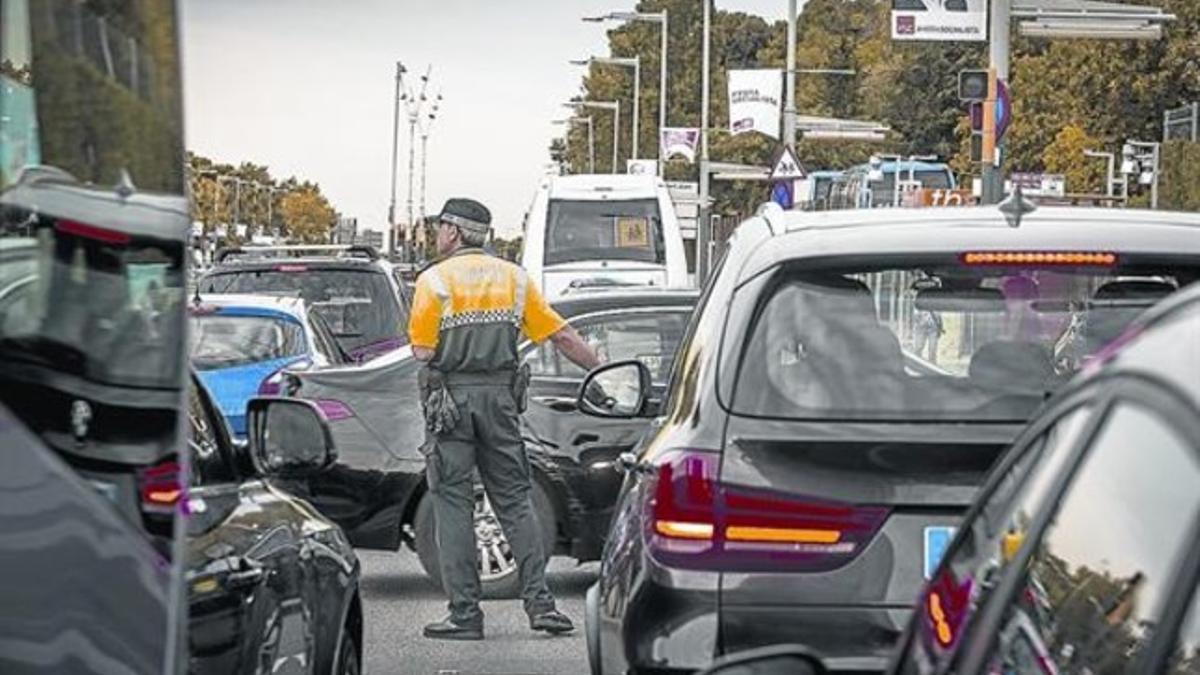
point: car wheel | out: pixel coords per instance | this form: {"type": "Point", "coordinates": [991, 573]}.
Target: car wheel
{"type": "Point", "coordinates": [497, 564]}
{"type": "Point", "coordinates": [347, 660]}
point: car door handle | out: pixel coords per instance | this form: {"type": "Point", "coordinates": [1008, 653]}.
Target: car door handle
{"type": "Point", "coordinates": [585, 437]}
{"type": "Point", "coordinates": [558, 403]}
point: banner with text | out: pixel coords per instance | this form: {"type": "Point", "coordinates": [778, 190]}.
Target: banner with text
{"type": "Point", "coordinates": [754, 97]}
{"type": "Point", "coordinates": [940, 20]}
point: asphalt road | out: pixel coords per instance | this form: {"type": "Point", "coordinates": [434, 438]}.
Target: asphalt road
{"type": "Point", "coordinates": [398, 600]}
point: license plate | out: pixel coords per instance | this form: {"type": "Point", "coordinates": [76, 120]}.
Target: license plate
{"type": "Point", "coordinates": [937, 540]}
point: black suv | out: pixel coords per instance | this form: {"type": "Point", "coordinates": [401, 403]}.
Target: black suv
{"type": "Point", "coordinates": [846, 383]}
{"type": "Point", "coordinates": [358, 293]}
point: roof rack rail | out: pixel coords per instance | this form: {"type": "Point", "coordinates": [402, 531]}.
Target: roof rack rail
{"type": "Point", "coordinates": [293, 251]}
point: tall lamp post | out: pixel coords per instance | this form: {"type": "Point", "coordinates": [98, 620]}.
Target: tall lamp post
{"type": "Point", "coordinates": [414, 106]}
{"type": "Point", "coordinates": [395, 148]}
{"type": "Point", "coordinates": [634, 62]}
{"type": "Point", "coordinates": [661, 19]}
{"type": "Point", "coordinates": [426, 128]}
{"type": "Point", "coordinates": [615, 107]}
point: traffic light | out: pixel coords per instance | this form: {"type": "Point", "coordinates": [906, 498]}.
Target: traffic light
{"type": "Point", "coordinates": [975, 110]}
{"type": "Point", "coordinates": [977, 147]}
{"type": "Point", "coordinates": [973, 85]}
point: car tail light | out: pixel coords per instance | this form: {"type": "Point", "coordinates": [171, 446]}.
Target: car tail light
{"type": "Point", "coordinates": [160, 487]}
{"type": "Point", "coordinates": [92, 232]}
{"type": "Point", "coordinates": [1040, 258]}
{"type": "Point", "coordinates": [697, 521]}
{"type": "Point", "coordinates": [945, 610]}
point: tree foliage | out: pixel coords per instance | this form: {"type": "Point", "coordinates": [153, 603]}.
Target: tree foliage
{"type": "Point", "coordinates": [1104, 92]}
{"type": "Point", "coordinates": [1065, 155]}
{"type": "Point", "coordinates": [225, 196]}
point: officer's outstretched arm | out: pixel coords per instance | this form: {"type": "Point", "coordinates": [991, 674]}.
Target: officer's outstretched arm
{"type": "Point", "coordinates": [567, 341]}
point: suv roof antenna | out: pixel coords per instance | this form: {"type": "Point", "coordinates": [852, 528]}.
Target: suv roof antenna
{"type": "Point", "coordinates": [1016, 207]}
{"type": "Point", "coordinates": [125, 187]}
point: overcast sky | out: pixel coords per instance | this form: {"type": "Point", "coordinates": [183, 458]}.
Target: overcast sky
{"type": "Point", "coordinates": [305, 87]}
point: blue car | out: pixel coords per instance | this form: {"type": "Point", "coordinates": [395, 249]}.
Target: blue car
{"type": "Point", "coordinates": [242, 344]}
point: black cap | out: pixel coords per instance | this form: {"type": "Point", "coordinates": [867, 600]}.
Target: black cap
{"type": "Point", "coordinates": [467, 214]}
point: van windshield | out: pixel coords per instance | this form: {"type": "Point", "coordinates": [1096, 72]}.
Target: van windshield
{"type": "Point", "coordinates": [604, 230]}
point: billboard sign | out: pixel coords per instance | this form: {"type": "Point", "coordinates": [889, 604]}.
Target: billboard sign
{"type": "Point", "coordinates": [940, 20]}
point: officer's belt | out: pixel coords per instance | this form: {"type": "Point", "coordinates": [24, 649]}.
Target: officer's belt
{"type": "Point", "coordinates": [485, 379]}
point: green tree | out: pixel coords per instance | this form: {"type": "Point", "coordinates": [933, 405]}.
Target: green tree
{"type": "Point", "coordinates": [308, 216]}
{"type": "Point", "coordinates": [1065, 155]}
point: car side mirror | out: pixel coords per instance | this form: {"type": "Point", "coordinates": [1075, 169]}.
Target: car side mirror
{"type": "Point", "coordinates": [774, 660]}
{"type": "Point", "coordinates": [289, 438]}
{"type": "Point", "coordinates": [617, 390]}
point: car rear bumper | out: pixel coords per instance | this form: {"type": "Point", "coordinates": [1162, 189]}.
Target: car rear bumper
{"type": "Point", "coordinates": [847, 638]}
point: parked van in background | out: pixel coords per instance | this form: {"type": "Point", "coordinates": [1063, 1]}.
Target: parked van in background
{"type": "Point", "coordinates": [603, 230]}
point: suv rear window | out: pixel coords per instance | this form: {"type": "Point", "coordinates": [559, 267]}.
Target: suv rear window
{"type": "Point", "coordinates": [227, 341]}
{"type": "Point", "coordinates": [358, 305]}
{"type": "Point", "coordinates": [933, 341]}
{"type": "Point", "coordinates": [604, 230]}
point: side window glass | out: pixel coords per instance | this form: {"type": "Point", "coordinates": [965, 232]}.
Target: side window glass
{"type": "Point", "coordinates": [1097, 580]}
{"type": "Point", "coordinates": [652, 339]}
{"type": "Point", "coordinates": [1185, 659]}
{"type": "Point", "coordinates": [972, 566]}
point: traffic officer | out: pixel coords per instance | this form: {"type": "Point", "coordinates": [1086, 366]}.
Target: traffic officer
{"type": "Point", "coordinates": [469, 312]}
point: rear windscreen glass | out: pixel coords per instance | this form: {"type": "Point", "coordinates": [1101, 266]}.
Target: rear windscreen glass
{"type": "Point", "coordinates": [604, 230]}
{"type": "Point", "coordinates": [932, 341]}
{"type": "Point", "coordinates": [359, 306]}
{"type": "Point", "coordinates": [227, 341]}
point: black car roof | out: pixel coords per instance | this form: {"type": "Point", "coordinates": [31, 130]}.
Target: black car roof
{"type": "Point", "coordinates": [870, 232]}
{"type": "Point", "coordinates": [586, 303]}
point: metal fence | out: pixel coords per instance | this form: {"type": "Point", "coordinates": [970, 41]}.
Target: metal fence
{"type": "Point", "coordinates": [1182, 124]}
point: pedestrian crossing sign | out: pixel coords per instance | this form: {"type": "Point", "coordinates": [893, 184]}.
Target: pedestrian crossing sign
{"type": "Point", "coordinates": [786, 166]}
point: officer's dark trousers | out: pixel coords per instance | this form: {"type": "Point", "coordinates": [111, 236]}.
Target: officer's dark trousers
{"type": "Point", "coordinates": [488, 437]}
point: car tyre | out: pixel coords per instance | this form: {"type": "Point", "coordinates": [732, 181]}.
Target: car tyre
{"type": "Point", "coordinates": [504, 586]}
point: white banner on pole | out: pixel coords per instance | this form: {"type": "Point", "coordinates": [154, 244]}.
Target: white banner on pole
{"type": "Point", "coordinates": [754, 101]}
{"type": "Point", "coordinates": [940, 20]}
{"type": "Point", "coordinates": [678, 141]}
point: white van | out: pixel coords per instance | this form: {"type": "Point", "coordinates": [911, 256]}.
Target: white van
{"type": "Point", "coordinates": [598, 230]}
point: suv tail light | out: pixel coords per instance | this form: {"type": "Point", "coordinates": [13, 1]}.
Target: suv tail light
{"type": "Point", "coordinates": [159, 487]}
{"type": "Point", "coordinates": [695, 520]}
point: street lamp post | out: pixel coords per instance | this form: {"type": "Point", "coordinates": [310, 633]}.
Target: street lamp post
{"type": "Point", "coordinates": [395, 149]}
{"type": "Point", "coordinates": [703, 227]}
{"type": "Point", "coordinates": [426, 128]}
{"type": "Point", "coordinates": [615, 107]}
{"type": "Point", "coordinates": [634, 62]}
{"type": "Point", "coordinates": [661, 19]}
{"type": "Point", "coordinates": [414, 104]}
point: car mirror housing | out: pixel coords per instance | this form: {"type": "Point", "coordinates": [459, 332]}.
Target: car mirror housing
{"type": "Point", "coordinates": [774, 660]}
{"type": "Point", "coordinates": [618, 390]}
{"type": "Point", "coordinates": [289, 438]}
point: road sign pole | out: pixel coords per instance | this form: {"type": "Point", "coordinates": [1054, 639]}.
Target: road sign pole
{"type": "Point", "coordinates": [1000, 37]}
